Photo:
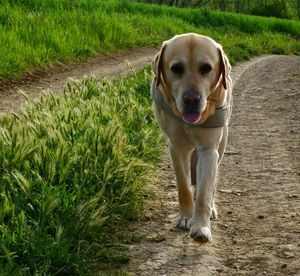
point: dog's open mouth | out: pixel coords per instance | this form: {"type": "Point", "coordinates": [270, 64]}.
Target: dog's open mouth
{"type": "Point", "coordinates": [191, 117]}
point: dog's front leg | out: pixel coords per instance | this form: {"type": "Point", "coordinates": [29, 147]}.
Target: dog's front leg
{"type": "Point", "coordinates": [180, 156]}
{"type": "Point", "coordinates": [206, 176]}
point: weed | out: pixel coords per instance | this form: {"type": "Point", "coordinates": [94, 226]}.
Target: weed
{"type": "Point", "coordinates": [73, 169]}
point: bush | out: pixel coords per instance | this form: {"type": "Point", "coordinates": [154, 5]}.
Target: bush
{"type": "Point", "coordinates": [279, 9]}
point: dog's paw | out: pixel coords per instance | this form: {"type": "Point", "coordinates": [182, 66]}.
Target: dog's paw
{"type": "Point", "coordinates": [200, 234]}
{"type": "Point", "coordinates": [214, 213]}
{"type": "Point", "coordinates": [183, 223]}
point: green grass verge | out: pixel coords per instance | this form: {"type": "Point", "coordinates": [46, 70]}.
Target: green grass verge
{"type": "Point", "coordinates": [73, 169]}
{"type": "Point", "coordinates": [36, 33]}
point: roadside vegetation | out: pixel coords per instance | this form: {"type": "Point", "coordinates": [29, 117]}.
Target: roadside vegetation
{"type": "Point", "coordinates": [73, 170]}
{"type": "Point", "coordinates": [289, 9]}
{"type": "Point", "coordinates": [74, 167]}
{"type": "Point", "coordinates": [36, 33]}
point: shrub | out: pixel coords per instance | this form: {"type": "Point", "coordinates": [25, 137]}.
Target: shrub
{"type": "Point", "coordinates": [279, 9]}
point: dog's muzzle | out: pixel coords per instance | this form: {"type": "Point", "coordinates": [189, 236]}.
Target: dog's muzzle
{"type": "Point", "coordinates": [191, 107]}
{"type": "Point", "coordinates": [191, 101]}
{"type": "Point", "coordinates": [219, 119]}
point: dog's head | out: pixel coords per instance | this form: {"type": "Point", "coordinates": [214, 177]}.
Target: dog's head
{"type": "Point", "coordinates": [191, 70]}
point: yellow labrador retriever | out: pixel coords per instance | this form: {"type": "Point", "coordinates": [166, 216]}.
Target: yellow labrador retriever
{"type": "Point", "coordinates": [191, 96]}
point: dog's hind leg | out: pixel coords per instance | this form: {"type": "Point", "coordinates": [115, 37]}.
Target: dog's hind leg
{"type": "Point", "coordinates": [222, 145]}
{"type": "Point", "coordinates": [221, 150]}
{"type": "Point", "coordinates": [194, 160]}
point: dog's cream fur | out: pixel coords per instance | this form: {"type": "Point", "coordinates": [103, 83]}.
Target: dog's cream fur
{"type": "Point", "coordinates": [195, 151]}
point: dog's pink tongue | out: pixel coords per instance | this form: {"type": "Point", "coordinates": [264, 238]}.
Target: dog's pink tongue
{"type": "Point", "coordinates": [191, 117]}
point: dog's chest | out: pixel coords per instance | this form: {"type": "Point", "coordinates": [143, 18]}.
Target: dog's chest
{"type": "Point", "coordinates": [206, 137]}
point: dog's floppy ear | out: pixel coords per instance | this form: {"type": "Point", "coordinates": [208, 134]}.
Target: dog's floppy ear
{"type": "Point", "coordinates": [157, 65]}
{"type": "Point", "coordinates": [225, 67]}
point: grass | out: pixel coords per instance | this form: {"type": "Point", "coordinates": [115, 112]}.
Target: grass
{"type": "Point", "coordinates": [36, 33]}
{"type": "Point", "coordinates": [73, 170]}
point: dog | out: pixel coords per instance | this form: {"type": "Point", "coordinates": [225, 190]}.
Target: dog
{"type": "Point", "coordinates": [192, 101]}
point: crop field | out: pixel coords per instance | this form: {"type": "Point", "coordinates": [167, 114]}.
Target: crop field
{"type": "Point", "coordinates": [74, 167]}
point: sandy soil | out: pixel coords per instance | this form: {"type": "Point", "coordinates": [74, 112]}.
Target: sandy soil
{"type": "Point", "coordinates": [258, 229]}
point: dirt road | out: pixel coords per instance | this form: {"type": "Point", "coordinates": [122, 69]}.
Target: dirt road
{"type": "Point", "coordinates": [258, 229]}
{"type": "Point", "coordinates": [55, 76]}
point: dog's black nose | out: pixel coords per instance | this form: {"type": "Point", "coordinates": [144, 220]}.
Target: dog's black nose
{"type": "Point", "coordinates": [191, 100]}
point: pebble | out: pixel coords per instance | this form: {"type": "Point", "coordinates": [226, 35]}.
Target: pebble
{"type": "Point", "coordinates": [220, 269]}
{"type": "Point", "coordinates": [225, 226]}
{"type": "Point", "coordinates": [288, 254]}
{"type": "Point", "coordinates": [261, 216]}
{"type": "Point", "coordinates": [171, 186]}
{"type": "Point", "coordinates": [159, 238]}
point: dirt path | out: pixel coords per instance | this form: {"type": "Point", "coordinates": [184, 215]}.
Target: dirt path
{"type": "Point", "coordinates": [55, 77]}
{"type": "Point", "coordinates": [258, 229]}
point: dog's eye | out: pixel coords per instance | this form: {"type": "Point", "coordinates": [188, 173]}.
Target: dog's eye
{"type": "Point", "coordinates": [205, 69]}
{"type": "Point", "coordinates": [177, 69]}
